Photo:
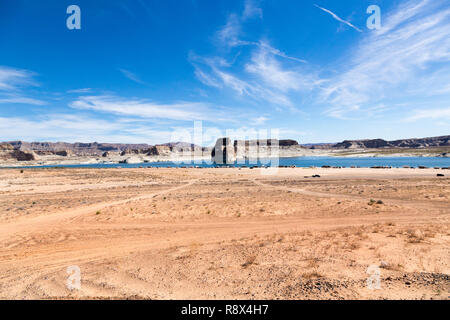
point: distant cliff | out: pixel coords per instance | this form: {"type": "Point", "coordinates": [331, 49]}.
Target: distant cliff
{"type": "Point", "coordinates": [76, 148]}
{"type": "Point", "coordinates": [28, 151]}
{"type": "Point", "coordinates": [443, 141]}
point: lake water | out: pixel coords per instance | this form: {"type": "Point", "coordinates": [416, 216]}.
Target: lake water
{"type": "Point", "coordinates": [395, 162]}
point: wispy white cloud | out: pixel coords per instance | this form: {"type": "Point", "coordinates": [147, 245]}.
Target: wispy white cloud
{"type": "Point", "coordinates": [265, 77]}
{"type": "Point", "coordinates": [271, 72]}
{"type": "Point", "coordinates": [78, 128]}
{"type": "Point", "coordinates": [12, 79]}
{"type": "Point", "coordinates": [82, 90]}
{"type": "Point", "coordinates": [229, 34]}
{"type": "Point", "coordinates": [401, 59]}
{"type": "Point", "coordinates": [55, 127]}
{"type": "Point", "coordinates": [17, 99]}
{"type": "Point", "coordinates": [206, 78]}
{"type": "Point", "coordinates": [251, 10]}
{"type": "Point", "coordinates": [335, 16]}
{"type": "Point", "coordinates": [12, 83]}
{"type": "Point", "coordinates": [264, 45]}
{"type": "Point", "coordinates": [259, 121]}
{"type": "Point", "coordinates": [405, 11]}
{"type": "Point", "coordinates": [434, 114]}
{"type": "Point", "coordinates": [183, 111]}
{"type": "Point", "coordinates": [223, 78]}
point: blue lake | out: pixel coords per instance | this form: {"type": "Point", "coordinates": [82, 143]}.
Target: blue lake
{"type": "Point", "coordinates": [297, 161]}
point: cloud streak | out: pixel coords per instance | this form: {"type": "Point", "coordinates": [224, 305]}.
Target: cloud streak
{"type": "Point", "coordinates": [131, 76]}
{"type": "Point", "coordinates": [335, 16]}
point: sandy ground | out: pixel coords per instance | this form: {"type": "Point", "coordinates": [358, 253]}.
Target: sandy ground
{"type": "Point", "coordinates": [225, 233]}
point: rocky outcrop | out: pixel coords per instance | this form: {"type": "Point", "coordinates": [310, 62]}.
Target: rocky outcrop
{"type": "Point", "coordinates": [6, 147]}
{"type": "Point", "coordinates": [23, 156]}
{"type": "Point", "coordinates": [64, 153]}
{"type": "Point", "coordinates": [129, 151]}
{"type": "Point", "coordinates": [288, 143]}
{"type": "Point", "coordinates": [131, 160]}
{"type": "Point", "coordinates": [223, 152]}
{"type": "Point", "coordinates": [161, 150]}
{"type": "Point", "coordinates": [266, 142]}
{"type": "Point", "coordinates": [7, 152]}
{"type": "Point", "coordinates": [359, 144]}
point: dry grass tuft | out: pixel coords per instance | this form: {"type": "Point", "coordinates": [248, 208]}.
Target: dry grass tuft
{"type": "Point", "coordinates": [414, 236]}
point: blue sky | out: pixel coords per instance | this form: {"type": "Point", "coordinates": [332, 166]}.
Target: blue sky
{"type": "Point", "coordinates": [140, 70]}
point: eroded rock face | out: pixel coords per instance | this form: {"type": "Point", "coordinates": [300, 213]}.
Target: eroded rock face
{"type": "Point", "coordinates": [7, 152]}
{"type": "Point", "coordinates": [159, 151]}
{"type": "Point", "coordinates": [5, 147]}
{"type": "Point", "coordinates": [23, 156]}
{"type": "Point", "coordinates": [129, 152]}
{"type": "Point", "coordinates": [131, 160]}
{"type": "Point", "coordinates": [358, 144]}
{"type": "Point", "coordinates": [64, 153]}
{"type": "Point", "coordinates": [223, 152]}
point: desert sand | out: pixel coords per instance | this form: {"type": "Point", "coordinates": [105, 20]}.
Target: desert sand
{"type": "Point", "coordinates": [224, 233]}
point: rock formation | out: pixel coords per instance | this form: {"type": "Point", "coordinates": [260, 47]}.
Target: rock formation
{"type": "Point", "coordinates": [358, 144]}
{"type": "Point", "coordinates": [7, 152]}
{"type": "Point", "coordinates": [160, 150]}
{"type": "Point", "coordinates": [223, 152]}
{"type": "Point", "coordinates": [64, 153]}
{"type": "Point", "coordinates": [23, 156]}
{"type": "Point", "coordinates": [131, 160]}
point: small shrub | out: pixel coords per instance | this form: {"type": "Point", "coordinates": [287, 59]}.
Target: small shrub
{"type": "Point", "coordinates": [250, 260]}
